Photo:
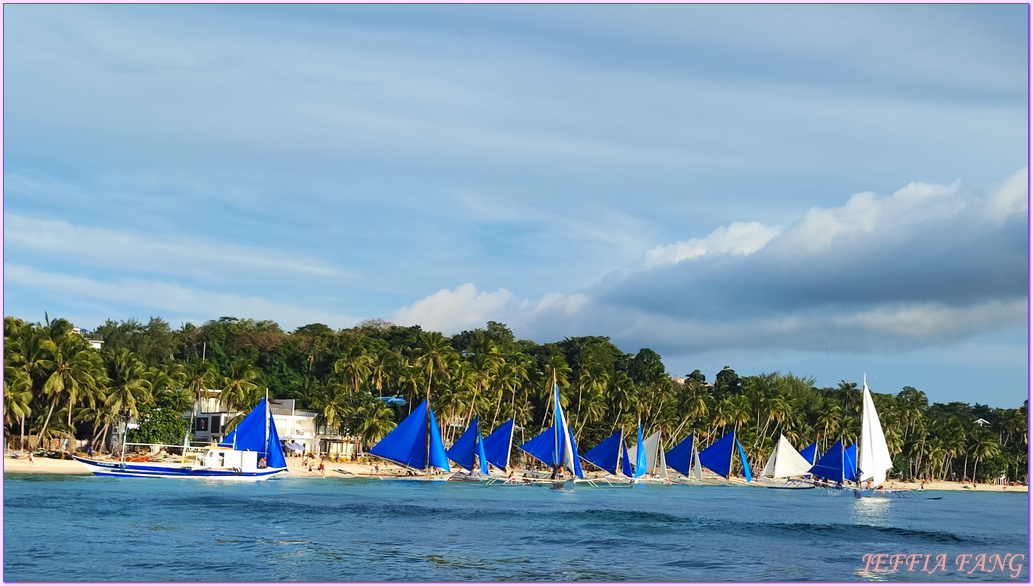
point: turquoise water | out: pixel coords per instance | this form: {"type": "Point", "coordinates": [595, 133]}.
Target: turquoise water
{"type": "Point", "coordinates": [84, 528]}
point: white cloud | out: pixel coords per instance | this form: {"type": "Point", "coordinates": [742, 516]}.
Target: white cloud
{"type": "Point", "coordinates": [169, 297]}
{"type": "Point", "coordinates": [150, 253]}
{"type": "Point", "coordinates": [914, 269]}
{"type": "Point", "coordinates": [465, 307]}
{"type": "Point", "coordinates": [736, 239]}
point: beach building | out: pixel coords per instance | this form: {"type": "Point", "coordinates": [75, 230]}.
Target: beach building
{"type": "Point", "coordinates": [297, 429]}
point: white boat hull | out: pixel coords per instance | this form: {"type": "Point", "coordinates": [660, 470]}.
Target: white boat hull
{"type": "Point", "coordinates": [159, 470]}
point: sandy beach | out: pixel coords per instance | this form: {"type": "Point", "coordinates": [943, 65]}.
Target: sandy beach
{"type": "Point", "coordinates": [295, 469]}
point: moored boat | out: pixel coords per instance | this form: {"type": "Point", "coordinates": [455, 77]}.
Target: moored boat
{"type": "Point", "coordinates": [251, 451]}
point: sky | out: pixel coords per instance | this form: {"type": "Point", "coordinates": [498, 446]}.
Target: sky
{"type": "Point", "coordinates": [826, 190]}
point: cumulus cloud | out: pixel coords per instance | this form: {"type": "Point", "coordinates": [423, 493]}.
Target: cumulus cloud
{"type": "Point", "coordinates": [736, 239]}
{"type": "Point", "coordinates": [451, 311]}
{"type": "Point", "coordinates": [927, 265]}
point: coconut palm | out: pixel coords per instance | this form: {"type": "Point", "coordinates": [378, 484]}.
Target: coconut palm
{"type": "Point", "coordinates": [984, 445]}
{"type": "Point", "coordinates": [241, 380]}
{"type": "Point", "coordinates": [356, 365]}
{"type": "Point", "coordinates": [127, 388]}
{"type": "Point", "coordinates": [17, 399]}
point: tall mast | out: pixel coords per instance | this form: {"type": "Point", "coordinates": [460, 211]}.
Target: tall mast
{"type": "Point", "coordinates": [731, 453]}
{"type": "Point", "coordinates": [426, 438]}
{"type": "Point", "coordinates": [555, 421]}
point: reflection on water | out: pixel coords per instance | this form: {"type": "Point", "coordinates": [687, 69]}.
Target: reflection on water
{"type": "Point", "coordinates": [871, 511]}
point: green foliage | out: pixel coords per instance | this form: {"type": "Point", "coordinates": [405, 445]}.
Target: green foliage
{"type": "Point", "coordinates": [159, 426]}
{"type": "Point", "coordinates": [55, 385]}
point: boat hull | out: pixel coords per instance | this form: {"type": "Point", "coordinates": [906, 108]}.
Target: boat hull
{"type": "Point", "coordinates": [151, 470]}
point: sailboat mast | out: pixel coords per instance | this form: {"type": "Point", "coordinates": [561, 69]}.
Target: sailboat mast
{"type": "Point", "coordinates": [267, 410]}
{"type": "Point", "coordinates": [731, 453]}
{"type": "Point", "coordinates": [555, 422]}
{"type": "Point", "coordinates": [426, 465]}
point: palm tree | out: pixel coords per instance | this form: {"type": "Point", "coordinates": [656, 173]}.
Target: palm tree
{"type": "Point", "coordinates": [17, 399]}
{"type": "Point", "coordinates": [357, 365]}
{"type": "Point", "coordinates": [199, 378]}
{"type": "Point", "coordinates": [127, 389]}
{"type": "Point", "coordinates": [32, 352]}
{"type": "Point", "coordinates": [984, 445]}
{"type": "Point", "coordinates": [374, 420]}
{"type": "Point", "coordinates": [239, 383]}
{"type": "Point", "coordinates": [434, 353]}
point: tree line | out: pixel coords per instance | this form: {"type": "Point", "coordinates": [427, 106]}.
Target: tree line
{"type": "Point", "coordinates": [57, 387]}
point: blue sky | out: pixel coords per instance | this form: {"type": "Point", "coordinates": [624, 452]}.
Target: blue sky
{"type": "Point", "coordinates": [823, 190]}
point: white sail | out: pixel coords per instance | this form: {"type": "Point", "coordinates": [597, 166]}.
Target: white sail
{"type": "Point", "coordinates": [652, 448]}
{"type": "Point", "coordinates": [873, 457]}
{"type": "Point", "coordinates": [697, 469]}
{"type": "Point", "coordinates": [769, 468]}
{"type": "Point", "coordinates": [661, 465]}
{"type": "Point", "coordinates": [568, 449]}
{"type": "Point", "coordinates": [788, 462]}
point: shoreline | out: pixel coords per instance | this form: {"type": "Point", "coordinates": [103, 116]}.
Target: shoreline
{"type": "Point", "coordinates": [296, 470]}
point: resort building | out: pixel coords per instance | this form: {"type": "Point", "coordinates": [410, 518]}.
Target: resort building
{"type": "Point", "coordinates": [297, 429]}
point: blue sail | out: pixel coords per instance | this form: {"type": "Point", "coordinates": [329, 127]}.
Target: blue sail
{"type": "Point", "coordinates": [811, 454]}
{"type": "Point", "coordinates": [830, 466]}
{"type": "Point", "coordinates": [481, 456]}
{"type": "Point", "coordinates": [745, 462]}
{"type": "Point", "coordinates": [498, 445]}
{"type": "Point", "coordinates": [437, 447]}
{"type": "Point", "coordinates": [606, 453]}
{"type": "Point", "coordinates": [626, 463]}
{"type": "Point", "coordinates": [850, 463]}
{"type": "Point", "coordinates": [640, 455]}
{"type": "Point", "coordinates": [680, 456]}
{"type": "Point", "coordinates": [543, 446]}
{"type": "Point", "coordinates": [462, 452]}
{"type": "Point", "coordinates": [407, 442]}
{"type": "Point", "coordinates": [546, 448]}
{"type": "Point", "coordinates": [577, 461]}
{"type": "Point", "coordinates": [718, 457]}
{"type": "Point", "coordinates": [250, 435]}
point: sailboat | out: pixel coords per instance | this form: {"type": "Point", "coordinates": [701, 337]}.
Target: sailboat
{"type": "Point", "coordinates": [811, 453]}
{"type": "Point", "coordinates": [785, 465]}
{"type": "Point", "coordinates": [685, 459]}
{"type": "Point", "coordinates": [556, 446]}
{"type": "Point", "coordinates": [465, 449]}
{"type": "Point", "coordinates": [251, 451]}
{"type": "Point", "coordinates": [498, 445]}
{"type": "Point", "coordinates": [838, 465]}
{"type": "Point", "coordinates": [873, 456]}
{"type": "Point", "coordinates": [606, 454]}
{"type": "Point", "coordinates": [650, 461]}
{"type": "Point", "coordinates": [416, 444]}
{"type": "Point", "coordinates": [718, 457]}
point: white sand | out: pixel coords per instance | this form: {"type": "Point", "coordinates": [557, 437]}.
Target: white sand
{"type": "Point", "coordinates": [295, 469]}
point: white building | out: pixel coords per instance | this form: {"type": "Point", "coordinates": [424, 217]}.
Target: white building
{"type": "Point", "coordinates": [297, 429]}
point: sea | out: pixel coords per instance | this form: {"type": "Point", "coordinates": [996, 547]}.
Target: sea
{"type": "Point", "coordinates": [69, 528]}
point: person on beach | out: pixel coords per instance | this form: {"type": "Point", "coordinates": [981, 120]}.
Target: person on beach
{"type": "Point", "coordinates": [322, 468]}
{"type": "Point", "coordinates": [31, 461]}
